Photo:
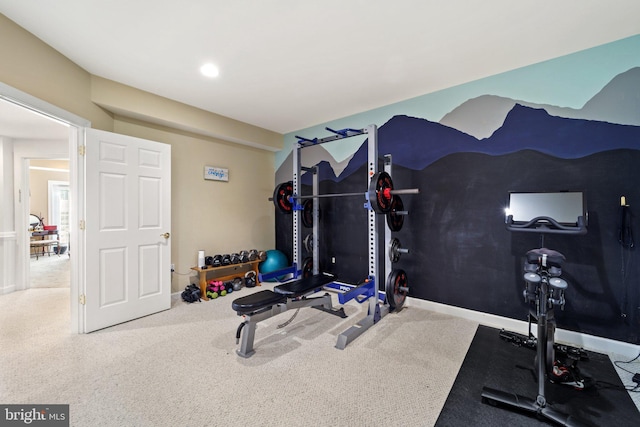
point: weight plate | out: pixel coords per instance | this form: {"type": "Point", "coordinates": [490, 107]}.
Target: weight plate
{"type": "Point", "coordinates": [281, 197]}
{"type": "Point", "coordinates": [307, 267]}
{"type": "Point", "coordinates": [395, 221]}
{"type": "Point", "coordinates": [380, 195]}
{"type": "Point", "coordinates": [307, 213]}
{"type": "Point", "coordinates": [396, 288]}
{"type": "Point", "coordinates": [394, 250]}
{"type": "Point", "coordinates": [308, 243]}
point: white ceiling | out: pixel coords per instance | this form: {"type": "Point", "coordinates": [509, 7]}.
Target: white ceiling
{"type": "Point", "coordinates": [290, 64]}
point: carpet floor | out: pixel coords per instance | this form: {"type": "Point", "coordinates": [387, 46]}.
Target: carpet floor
{"type": "Point", "coordinates": [50, 271]}
{"type": "Point", "coordinates": [179, 367]}
{"type": "Point", "coordinates": [494, 363]}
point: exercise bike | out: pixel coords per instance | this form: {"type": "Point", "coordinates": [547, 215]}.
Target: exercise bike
{"type": "Point", "coordinates": [544, 290]}
{"type": "Point", "coordinates": [543, 283]}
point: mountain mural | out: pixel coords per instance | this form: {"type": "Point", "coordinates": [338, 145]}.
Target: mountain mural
{"type": "Point", "coordinates": [617, 102]}
{"type": "Point", "coordinates": [416, 143]}
{"type": "Point", "coordinates": [498, 125]}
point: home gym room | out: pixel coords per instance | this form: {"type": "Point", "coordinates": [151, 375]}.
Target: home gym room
{"type": "Point", "coordinates": [456, 183]}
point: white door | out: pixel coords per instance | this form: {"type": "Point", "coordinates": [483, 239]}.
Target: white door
{"type": "Point", "coordinates": [128, 221]}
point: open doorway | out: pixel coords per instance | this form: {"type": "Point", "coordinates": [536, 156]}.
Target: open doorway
{"type": "Point", "coordinates": [143, 248]}
{"type": "Point", "coordinates": [49, 255]}
{"type": "Point", "coordinates": [33, 129]}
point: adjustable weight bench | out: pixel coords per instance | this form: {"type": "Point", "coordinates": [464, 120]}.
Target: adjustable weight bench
{"type": "Point", "coordinates": [265, 304]}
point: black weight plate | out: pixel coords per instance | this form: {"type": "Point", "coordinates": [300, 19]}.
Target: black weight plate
{"type": "Point", "coordinates": [308, 243]}
{"type": "Point", "coordinates": [395, 221]}
{"type": "Point", "coordinates": [281, 196]}
{"type": "Point", "coordinates": [394, 250]}
{"type": "Point", "coordinates": [307, 213]}
{"type": "Point", "coordinates": [307, 267]}
{"type": "Point", "coordinates": [395, 297]}
{"type": "Point", "coordinates": [379, 192]}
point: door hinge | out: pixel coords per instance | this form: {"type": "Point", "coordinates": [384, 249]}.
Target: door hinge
{"type": "Point", "coordinates": [82, 150]}
{"type": "Point", "coordinates": [83, 299]}
{"type": "Point", "coordinates": [82, 224]}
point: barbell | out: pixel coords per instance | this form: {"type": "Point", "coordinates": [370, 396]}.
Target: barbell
{"type": "Point", "coordinates": [380, 190]}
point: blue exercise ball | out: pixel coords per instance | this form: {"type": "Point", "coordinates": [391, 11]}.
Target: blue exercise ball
{"type": "Point", "coordinates": [276, 260]}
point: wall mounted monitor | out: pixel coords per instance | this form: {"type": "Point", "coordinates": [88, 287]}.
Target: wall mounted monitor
{"type": "Point", "coordinates": [562, 211]}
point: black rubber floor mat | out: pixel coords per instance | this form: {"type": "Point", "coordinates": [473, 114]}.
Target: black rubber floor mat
{"type": "Point", "coordinates": [495, 363]}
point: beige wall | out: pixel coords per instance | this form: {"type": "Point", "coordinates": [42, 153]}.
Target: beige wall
{"type": "Point", "coordinates": [218, 217]}
{"type": "Point", "coordinates": [33, 67]}
{"type": "Point", "coordinates": [214, 216]}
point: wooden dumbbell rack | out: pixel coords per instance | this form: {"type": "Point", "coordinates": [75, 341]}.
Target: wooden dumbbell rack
{"type": "Point", "coordinates": [236, 268]}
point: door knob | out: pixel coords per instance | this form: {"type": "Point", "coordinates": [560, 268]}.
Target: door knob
{"type": "Point", "coordinates": [166, 235]}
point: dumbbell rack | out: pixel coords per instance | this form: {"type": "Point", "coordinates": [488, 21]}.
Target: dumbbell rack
{"type": "Point", "coordinates": [202, 274]}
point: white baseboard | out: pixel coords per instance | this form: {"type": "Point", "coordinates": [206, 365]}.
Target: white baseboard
{"type": "Point", "coordinates": [7, 289]}
{"type": "Point", "coordinates": [576, 339]}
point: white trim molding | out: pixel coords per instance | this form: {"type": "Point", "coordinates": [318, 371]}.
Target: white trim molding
{"type": "Point", "coordinates": [7, 262]}
{"type": "Point", "coordinates": [8, 235]}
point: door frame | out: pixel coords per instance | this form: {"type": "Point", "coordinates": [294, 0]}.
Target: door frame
{"type": "Point", "coordinates": [77, 125]}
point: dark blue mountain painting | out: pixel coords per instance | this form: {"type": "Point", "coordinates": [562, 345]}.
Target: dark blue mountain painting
{"type": "Point", "coordinates": [416, 143]}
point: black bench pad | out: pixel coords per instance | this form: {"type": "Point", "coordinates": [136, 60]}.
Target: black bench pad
{"type": "Point", "coordinates": [253, 302]}
{"type": "Point", "coordinates": [303, 286]}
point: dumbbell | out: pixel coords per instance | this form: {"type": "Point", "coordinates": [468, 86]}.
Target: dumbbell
{"type": "Point", "coordinates": [217, 261]}
{"type": "Point", "coordinates": [250, 279]}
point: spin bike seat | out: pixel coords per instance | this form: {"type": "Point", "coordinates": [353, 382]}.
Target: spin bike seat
{"type": "Point", "coordinates": [545, 257]}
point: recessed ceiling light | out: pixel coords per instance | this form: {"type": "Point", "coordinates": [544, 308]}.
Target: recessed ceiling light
{"type": "Point", "coordinates": [209, 70]}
